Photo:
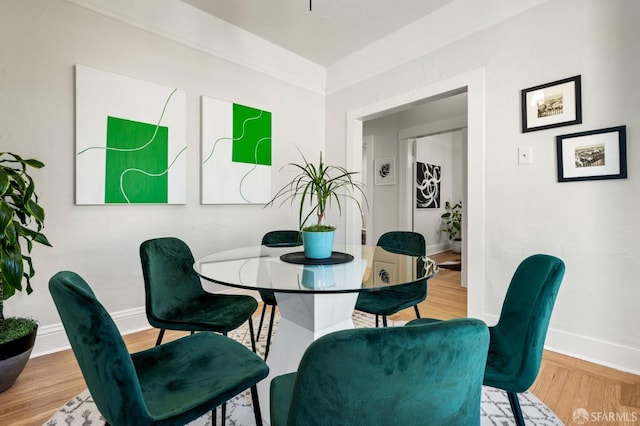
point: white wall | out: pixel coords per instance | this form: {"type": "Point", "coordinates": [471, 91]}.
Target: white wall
{"type": "Point", "coordinates": [590, 225]}
{"type": "Point", "coordinates": [41, 42]}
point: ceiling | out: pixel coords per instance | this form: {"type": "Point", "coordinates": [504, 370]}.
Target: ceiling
{"type": "Point", "coordinates": [332, 30]}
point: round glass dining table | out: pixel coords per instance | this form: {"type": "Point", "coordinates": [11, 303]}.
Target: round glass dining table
{"type": "Point", "coordinates": [315, 297]}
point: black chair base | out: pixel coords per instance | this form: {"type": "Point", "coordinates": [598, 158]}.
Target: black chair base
{"type": "Point", "coordinates": [515, 407]}
{"type": "Point", "coordinates": [251, 334]}
{"type": "Point", "coordinates": [384, 318]}
{"type": "Point", "coordinates": [270, 329]}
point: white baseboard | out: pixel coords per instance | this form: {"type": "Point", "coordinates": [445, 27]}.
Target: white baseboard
{"type": "Point", "coordinates": [438, 248]}
{"type": "Point", "coordinates": [608, 354]}
{"type": "Point", "coordinates": [52, 338]}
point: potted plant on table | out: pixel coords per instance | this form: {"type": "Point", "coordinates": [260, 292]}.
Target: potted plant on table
{"type": "Point", "coordinates": [318, 186]}
{"type": "Point", "coordinates": [21, 220]}
{"type": "Point", "coordinates": [452, 224]}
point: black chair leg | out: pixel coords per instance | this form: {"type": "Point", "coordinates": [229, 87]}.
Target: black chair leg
{"type": "Point", "coordinates": [253, 338]}
{"type": "Point", "coordinates": [224, 413]}
{"type": "Point", "coordinates": [264, 309]}
{"type": "Point", "coordinates": [159, 339]}
{"type": "Point", "coordinates": [214, 414]}
{"type": "Point", "coordinates": [256, 405]}
{"type": "Point", "coordinates": [377, 321]}
{"type": "Point", "coordinates": [273, 314]}
{"type": "Point", "coordinates": [417, 311]}
{"type": "Point", "coordinates": [515, 407]}
{"type": "Point", "coordinates": [384, 320]}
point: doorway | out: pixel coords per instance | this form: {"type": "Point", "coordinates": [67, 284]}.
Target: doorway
{"type": "Point", "coordinates": [473, 226]}
{"type": "Point", "coordinates": [437, 177]}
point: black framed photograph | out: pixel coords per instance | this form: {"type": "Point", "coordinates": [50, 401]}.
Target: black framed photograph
{"type": "Point", "coordinates": [592, 155]}
{"type": "Point", "coordinates": [550, 105]}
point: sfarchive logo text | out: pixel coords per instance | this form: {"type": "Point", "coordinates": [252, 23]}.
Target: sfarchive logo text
{"type": "Point", "coordinates": [582, 416]}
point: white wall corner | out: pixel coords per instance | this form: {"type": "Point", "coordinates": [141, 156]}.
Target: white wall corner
{"type": "Point", "coordinates": [187, 25]}
{"type": "Point", "coordinates": [446, 25]}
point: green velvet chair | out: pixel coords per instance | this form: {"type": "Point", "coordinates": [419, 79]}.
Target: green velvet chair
{"type": "Point", "coordinates": [175, 299]}
{"type": "Point", "coordinates": [392, 300]}
{"type": "Point", "coordinates": [517, 340]}
{"type": "Point", "coordinates": [427, 375]}
{"type": "Point", "coordinates": [284, 238]}
{"type": "Point", "coordinates": [170, 384]}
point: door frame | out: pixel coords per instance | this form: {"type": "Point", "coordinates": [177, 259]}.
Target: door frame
{"type": "Point", "coordinates": [473, 227]}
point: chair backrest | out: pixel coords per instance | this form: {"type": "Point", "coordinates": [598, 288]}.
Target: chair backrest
{"type": "Point", "coordinates": [284, 238]}
{"type": "Point", "coordinates": [411, 243]}
{"type": "Point", "coordinates": [525, 315]}
{"type": "Point", "coordinates": [427, 374]}
{"type": "Point", "coordinates": [101, 353]}
{"type": "Point", "coordinates": [169, 278]}
{"type": "Point", "coordinates": [403, 242]}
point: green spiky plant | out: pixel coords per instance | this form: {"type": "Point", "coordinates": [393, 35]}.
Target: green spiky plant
{"type": "Point", "coordinates": [21, 220]}
{"type": "Point", "coordinates": [318, 187]}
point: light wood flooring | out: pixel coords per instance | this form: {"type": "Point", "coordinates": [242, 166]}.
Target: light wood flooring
{"type": "Point", "coordinates": [564, 383]}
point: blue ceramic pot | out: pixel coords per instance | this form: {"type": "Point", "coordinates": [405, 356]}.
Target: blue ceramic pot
{"type": "Point", "coordinates": [317, 245]}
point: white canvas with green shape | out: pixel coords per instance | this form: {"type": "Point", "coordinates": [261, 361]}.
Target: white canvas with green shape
{"type": "Point", "coordinates": [236, 153]}
{"type": "Point", "coordinates": [130, 140]}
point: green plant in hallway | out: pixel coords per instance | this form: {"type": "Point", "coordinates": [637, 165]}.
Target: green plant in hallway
{"type": "Point", "coordinates": [452, 224]}
{"type": "Point", "coordinates": [21, 220]}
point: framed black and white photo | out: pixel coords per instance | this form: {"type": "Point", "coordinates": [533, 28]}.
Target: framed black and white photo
{"type": "Point", "coordinates": [385, 171]}
{"type": "Point", "coordinates": [550, 105]}
{"type": "Point", "coordinates": [592, 155]}
{"type": "Point", "coordinates": [427, 185]}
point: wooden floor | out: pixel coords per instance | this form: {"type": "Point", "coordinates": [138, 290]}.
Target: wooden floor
{"type": "Point", "coordinates": [564, 383]}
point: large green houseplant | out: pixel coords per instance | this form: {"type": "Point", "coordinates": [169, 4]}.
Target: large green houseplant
{"type": "Point", "coordinates": [21, 220]}
{"type": "Point", "coordinates": [318, 187]}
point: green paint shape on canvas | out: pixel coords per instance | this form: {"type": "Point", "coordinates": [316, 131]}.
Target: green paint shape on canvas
{"type": "Point", "coordinates": [251, 135]}
{"type": "Point", "coordinates": [137, 154]}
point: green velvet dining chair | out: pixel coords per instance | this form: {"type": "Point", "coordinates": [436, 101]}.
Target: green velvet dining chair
{"type": "Point", "coordinates": [170, 384]}
{"type": "Point", "coordinates": [282, 238]}
{"type": "Point", "coordinates": [175, 299]}
{"type": "Point", "coordinates": [517, 340]}
{"type": "Point", "coordinates": [389, 301]}
{"type": "Point", "coordinates": [428, 375]}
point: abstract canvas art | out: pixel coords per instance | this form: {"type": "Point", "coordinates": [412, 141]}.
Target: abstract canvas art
{"type": "Point", "coordinates": [130, 140]}
{"type": "Point", "coordinates": [236, 153]}
{"type": "Point", "coordinates": [427, 186]}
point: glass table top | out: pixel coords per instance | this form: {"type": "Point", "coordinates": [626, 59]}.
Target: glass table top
{"type": "Point", "coordinates": [261, 268]}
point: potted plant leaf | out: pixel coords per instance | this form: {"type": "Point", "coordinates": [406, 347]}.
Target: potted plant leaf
{"type": "Point", "coordinates": [318, 187]}
{"type": "Point", "coordinates": [452, 224]}
{"type": "Point", "coordinates": [21, 220]}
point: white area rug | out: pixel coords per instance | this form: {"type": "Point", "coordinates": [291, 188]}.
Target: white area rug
{"type": "Point", "coordinates": [495, 410]}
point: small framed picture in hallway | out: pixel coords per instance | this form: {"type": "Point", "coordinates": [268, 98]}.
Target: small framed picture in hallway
{"type": "Point", "coordinates": [385, 170]}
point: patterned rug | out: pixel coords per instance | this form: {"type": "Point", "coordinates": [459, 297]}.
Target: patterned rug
{"type": "Point", "coordinates": [453, 265]}
{"type": "Point", "coordinates": [495, 410]}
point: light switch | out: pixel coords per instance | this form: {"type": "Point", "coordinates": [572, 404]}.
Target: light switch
{"type": "Point", "coordinates": [525, 155]}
